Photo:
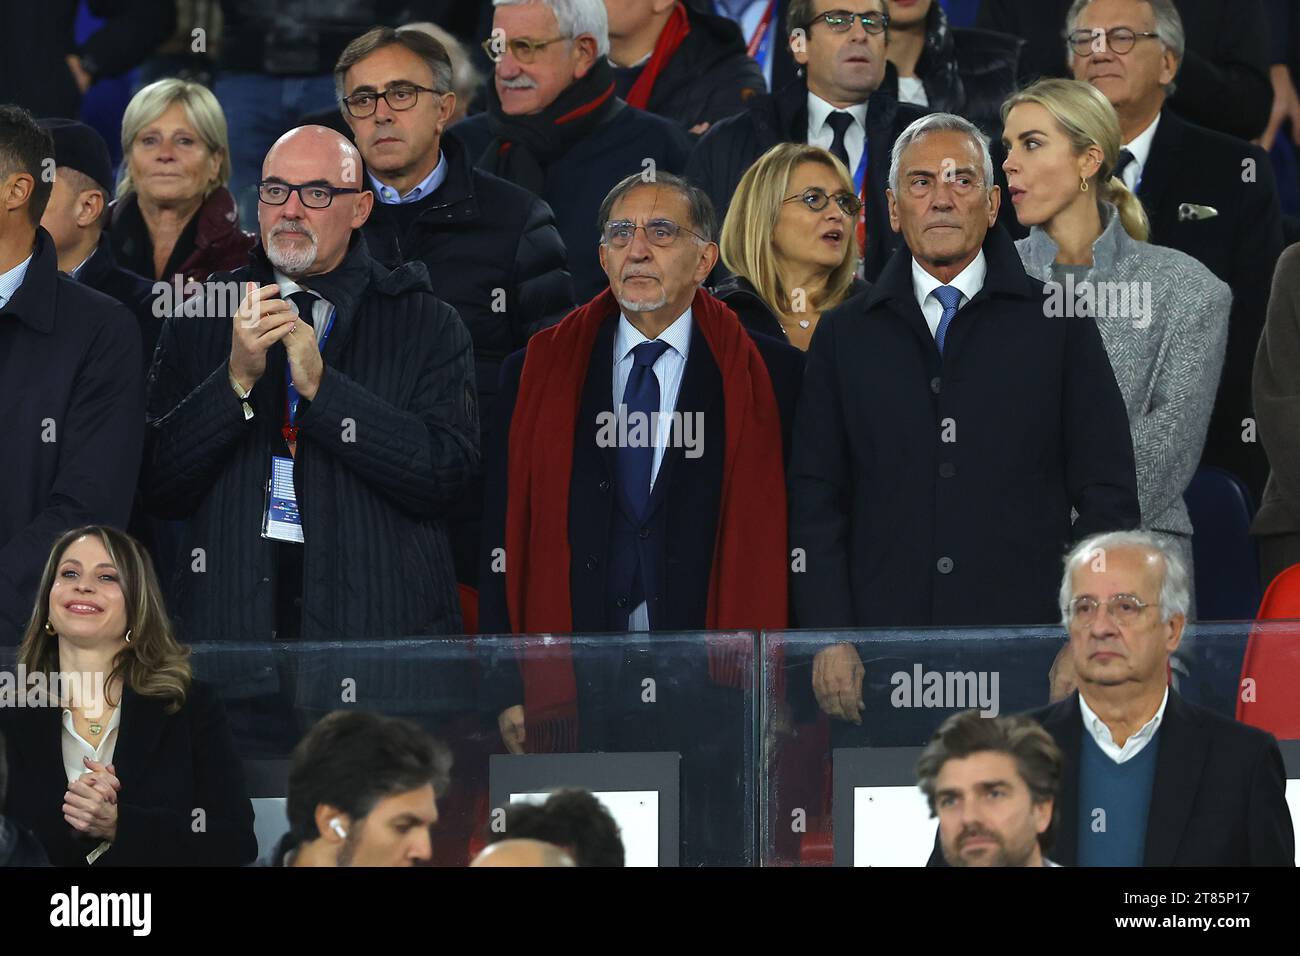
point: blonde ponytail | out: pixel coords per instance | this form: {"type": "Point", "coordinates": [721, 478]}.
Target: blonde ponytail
{"type": "Point", "coordinates": [1088, 120]}
{"type": "Point", "coordinates": [1131, 214]}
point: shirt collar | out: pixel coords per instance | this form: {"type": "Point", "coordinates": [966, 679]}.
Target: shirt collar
{"type": "Point", "coordinates": [819, 110]}
{"type": "Point", "coordinates": [389, 197]}
{"type": "Point", "coordinates": [11, 280]}
{"type": "Point", "coordinates": [76, 272]}
{"type": "Point", "coordinates": [114, 719]}
{"type": "Point", "coordinates": [969, 281]}
{"type": "Point", "coordinates": [1097, 729]}
{"type": "Point", "coordinates": [677, 335]}
{"type": "Point", "coordinates": [1141, 145]}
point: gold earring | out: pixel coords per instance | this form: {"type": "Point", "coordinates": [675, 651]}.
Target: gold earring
{"type": "Point", "coordinates": [1083, 185]}
{"type": "Point", "coordinates": [49, 628]}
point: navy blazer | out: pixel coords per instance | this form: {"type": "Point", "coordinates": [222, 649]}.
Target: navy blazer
{"type": "Point", "coordinates": [937, 490]}
{"type": "Point", "coordinates": [1219, 797]}
{"type": "Point", "coordinates": [170, 766]}
{"type": "Point", "coordinates": [683, 505]}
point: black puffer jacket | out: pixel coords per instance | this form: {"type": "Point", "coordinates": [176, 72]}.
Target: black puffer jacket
{"type": "Point", "coordinates": [384, 450]}
{"type": "Point", "coordinates": [967, 72]}
{"type": "Point", "coordinates": [708, 78]}
{"type": "Point", "coordinates": [482, 234]}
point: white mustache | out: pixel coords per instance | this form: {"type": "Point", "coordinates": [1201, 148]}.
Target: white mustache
{"type": "Point", "coordinates": [294, 227]}
{"type": "Point", "coordinates": [520, 82]}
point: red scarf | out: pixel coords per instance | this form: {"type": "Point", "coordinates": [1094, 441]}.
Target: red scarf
{"type": "Point", "coordinates": [670, 38]}
{"type": "Point", "coordinates": [747, 584]}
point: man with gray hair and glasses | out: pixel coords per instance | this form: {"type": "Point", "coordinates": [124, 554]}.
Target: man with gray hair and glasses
{"type": "Point", "coordinates": [950, 422]}
{"type": "Point", "coordinates": [1150, 778]}
{"type": "Point", "coordinates": [636, 482]}
{"type": "Point", "coordinates": [1207, 194]}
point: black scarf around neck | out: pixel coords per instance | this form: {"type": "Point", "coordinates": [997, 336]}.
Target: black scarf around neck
{"type": "Point", "coordinates": [524, 146]}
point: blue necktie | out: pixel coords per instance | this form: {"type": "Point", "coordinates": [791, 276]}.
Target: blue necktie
{"type": "Point", "coordinates": [949, 297]}
{"type": "Point", "coordinates": [641, 394]}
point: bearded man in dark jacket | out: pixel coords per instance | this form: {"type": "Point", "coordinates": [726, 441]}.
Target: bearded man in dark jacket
{"type": "Point", "coordinates": [356, 396]}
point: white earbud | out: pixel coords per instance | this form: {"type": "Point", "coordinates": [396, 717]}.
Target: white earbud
{"type": "Point", "coordinates": [337, 827]}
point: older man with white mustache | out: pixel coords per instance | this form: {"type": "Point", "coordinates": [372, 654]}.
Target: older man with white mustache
{"type": "Point", "coordinates": [345, 388]}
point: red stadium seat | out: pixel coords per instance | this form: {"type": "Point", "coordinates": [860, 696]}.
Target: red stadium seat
{"type": "Point", "coordinates": [1272, 662]}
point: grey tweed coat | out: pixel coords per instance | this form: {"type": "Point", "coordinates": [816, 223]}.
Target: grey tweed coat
{"type": "Point", "coordinates": [1166, 348]}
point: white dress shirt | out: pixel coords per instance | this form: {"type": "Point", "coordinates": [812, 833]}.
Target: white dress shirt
{"type": "Point", "coordinates": [911, 89]}
{"type": "Point", "coordinates": [321, 308]}
{"type": "Point", "coordinates": [76, 747]}
{"type": "Point", "coordinates": [668, 369]}
{"type": "Point", "coordinates": [1099, 732]}
{"type": "Point", "coordinates": [1141, 150]}
{"type": "Point", "coordinates": [969, 281]}
{"type": "Point", "coordinates": [11, 280]}
{"type": "Point", "coordinates": [821, 134]}
{"type": "Point", "coordinates": [389, 197]}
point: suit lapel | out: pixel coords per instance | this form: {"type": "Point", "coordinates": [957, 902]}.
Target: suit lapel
{"type": "Point", "coordinates": [1066, 727]}
{"type": "Point", "coordinates": [39, 735]}
{"type": "Point", "coordinates": [1160, 162]}
{"type": "Point", "coordinates": [1179, 764]}
{"type": "Point", "coordinates": [598, 397]}
{"type": "Point", "coordinates": [138, 732]}
{"type": "Point", "coordinates": [700, 390]}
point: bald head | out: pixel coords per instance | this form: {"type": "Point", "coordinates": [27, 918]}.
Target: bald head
{"type": "Point", "coordinates": [523, 853]}
{"type": "Point", "coordinates": [301, 236]}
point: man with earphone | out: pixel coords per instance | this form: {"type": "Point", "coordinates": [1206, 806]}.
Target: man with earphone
{"type": "Point", "coordinates": [362, 792]}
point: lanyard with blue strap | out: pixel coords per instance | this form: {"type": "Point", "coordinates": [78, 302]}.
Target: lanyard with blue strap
{"type": "Point", "coordinates": [291, 397]}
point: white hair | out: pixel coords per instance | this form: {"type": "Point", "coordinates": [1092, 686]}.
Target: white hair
{"type": "Point", "coordinates": [1169, 29]}
{"type": "Point", "coordinates": [575, 18]}
{"type": "Point", "coordinates": [1175, 592]}
{"type": "Point", "coordinates": [934, 123]}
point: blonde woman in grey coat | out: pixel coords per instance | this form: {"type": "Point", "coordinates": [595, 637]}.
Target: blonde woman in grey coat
{"type": "Point", "coordinates": [1163, 316]}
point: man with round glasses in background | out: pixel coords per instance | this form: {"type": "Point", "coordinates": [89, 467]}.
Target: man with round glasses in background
{"type": "Point", "coordinates": [312, 419]}
{"type": "Point", "coordinates": [636, 483]}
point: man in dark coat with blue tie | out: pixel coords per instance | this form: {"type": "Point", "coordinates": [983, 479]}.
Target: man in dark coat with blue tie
{"type": "Point", "coordinates": [950, 423]}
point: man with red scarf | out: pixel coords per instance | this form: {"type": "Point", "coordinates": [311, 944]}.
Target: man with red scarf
{"type": "Point", "coordinates": [677, 526]}
{"type": "Point", "coordinates": [555, 124]}
{"type": "Point", "coordinates": [675, 61]}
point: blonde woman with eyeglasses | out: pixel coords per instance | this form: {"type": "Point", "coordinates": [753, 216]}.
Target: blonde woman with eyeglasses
{"type": "Point", "coordinates": [790, 240]}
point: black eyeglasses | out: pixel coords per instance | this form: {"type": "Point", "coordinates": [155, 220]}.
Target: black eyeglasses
{"type": "Point", "coordinates": [1119, 40]}
{"type": "Point", "coordinates": [312, 195]}
{"type": "Point", "coordinates": [400, 97]}
{"type": "Point", "coordinates": [841, 21]}
{"type": "Point", "coordinates": [816, 199]}
{"type": "Point", "coordinates": [659, 232]}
